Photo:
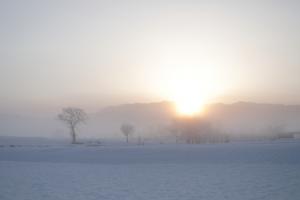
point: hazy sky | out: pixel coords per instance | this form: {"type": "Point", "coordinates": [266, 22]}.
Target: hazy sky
{"type": "Point", "coordinates": [96, 53]}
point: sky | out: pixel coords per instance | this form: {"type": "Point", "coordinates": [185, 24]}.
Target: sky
{"type": "Point", "coordinates": [93, 54]}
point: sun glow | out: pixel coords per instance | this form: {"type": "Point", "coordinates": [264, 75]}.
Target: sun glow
{"type": "Point", "coordinates": [192, 76]}
{"type": "Point", "coordinates": [188, 99]}
{"type": "Point", "coordinates": [189, 108]}
{"type": "Point", "coordinates": [191, 91]}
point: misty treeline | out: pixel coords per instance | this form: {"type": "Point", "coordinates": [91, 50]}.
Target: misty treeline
{"type": "Point", "coordinates": [191, 130]}
{"type": "Point", "coordinates": [196, 130]}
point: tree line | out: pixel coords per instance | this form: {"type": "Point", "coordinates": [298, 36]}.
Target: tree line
{"type": "Point", "coordinates": [191, 130]}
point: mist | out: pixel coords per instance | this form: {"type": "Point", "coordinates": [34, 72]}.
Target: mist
{"type": "Point", "coordinates": [149, 99]}
{"type": "Point", "coordinates": [152, 121]}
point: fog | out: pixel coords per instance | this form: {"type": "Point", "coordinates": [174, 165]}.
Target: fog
{"type": "Point", "coordinates": [102, 55]}
{"type": "Point", "coordinates": [152, 121]}
{"type": "Point", "coordinates": [149, 99]}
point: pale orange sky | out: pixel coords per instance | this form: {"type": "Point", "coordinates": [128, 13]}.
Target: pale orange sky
{"type": "Point", "coordinates": [97, 53]}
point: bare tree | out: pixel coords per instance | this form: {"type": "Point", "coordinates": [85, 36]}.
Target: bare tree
{"type": "Point", "coordinates": [127, 129]}
{"type": "Point", "coordinates": [194, 130]}
{"type": "Point", "coordinates": [72, 117]}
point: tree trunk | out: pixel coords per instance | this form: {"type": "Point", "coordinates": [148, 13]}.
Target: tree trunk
{"type": "Point", "coordinates": [73, 134]}
{"type": "Point", "coordinates": [126, 138]}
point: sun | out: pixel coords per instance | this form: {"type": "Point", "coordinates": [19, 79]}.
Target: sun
{"type": "Point", "coordinates": [189, 108]}
{"type": "Point", "coordinates": [189, 98]}
{"type": "Point", "coordinates": [191, 89]}
{"type": "Point", "coordinates": [189, 103]}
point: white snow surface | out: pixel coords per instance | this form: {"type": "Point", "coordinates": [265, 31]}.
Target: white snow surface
{"type": "Point", "coordinates": [234, 171]}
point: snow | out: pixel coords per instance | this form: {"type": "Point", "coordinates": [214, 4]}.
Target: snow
{"type": "Point", "coordinates": [235, 171]}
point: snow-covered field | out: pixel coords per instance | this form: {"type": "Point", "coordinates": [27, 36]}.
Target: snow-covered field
{"type": "Point", "coordinates": [234, 171]}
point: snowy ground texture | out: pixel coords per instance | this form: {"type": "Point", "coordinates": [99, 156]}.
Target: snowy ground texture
{"type": "Point", "coordinates": [239, 171]}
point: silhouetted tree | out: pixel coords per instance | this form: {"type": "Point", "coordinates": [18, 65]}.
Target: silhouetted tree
{"type": "Point", "coordinates": [127, 129]}
{"type": "Point", "coordinates": [72, 117]}
{"type": "Point", "coordinates": [140, 140]}
{"type": "Point", "coordinates": [276, 131]}
{"type": "Point", "coordinates": [174, 129]}
{"type": "Point", "coordinates": [192, 129]}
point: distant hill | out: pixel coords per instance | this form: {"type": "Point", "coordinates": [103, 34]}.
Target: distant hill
{"type": "Point", "coordinates": [146, 117]}
{"type": "Point", "coordinates": [248, 117]}
{"type": "Point", "coordinates": [152, 119]}
{"type": "Point", "coordinates": [241, 117]}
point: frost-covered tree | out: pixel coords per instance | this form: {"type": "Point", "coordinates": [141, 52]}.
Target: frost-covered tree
{"type": "Point", "coordinates": [72, 117]}
{"type": "Point", "coordinates": [127, 129]}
